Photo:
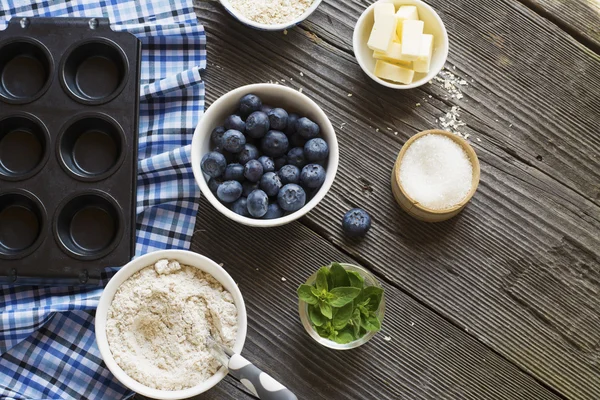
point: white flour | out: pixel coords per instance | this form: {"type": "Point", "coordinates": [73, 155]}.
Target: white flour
{"type": "Point", "coordinates": [271, 12]}
{"type": "Point", "coordinates": [158, 322]}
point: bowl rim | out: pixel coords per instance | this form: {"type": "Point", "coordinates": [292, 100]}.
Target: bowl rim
{"type": "Point", "coordinates": [125, 273]}
{"type": "Point", "coordinates": [470, 153]}
{"type": "Point", "coordinates": [268, 27]}
{"type": "Point", "coordinates": [357, 43]}
{"type": "Point", "coordinates": [332, 163]}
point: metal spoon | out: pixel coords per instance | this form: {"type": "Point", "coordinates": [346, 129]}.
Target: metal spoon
{"type": "Point", "coordinates": [259, 383]}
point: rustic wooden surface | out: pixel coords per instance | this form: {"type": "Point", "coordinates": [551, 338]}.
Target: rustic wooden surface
{"type": "Point", "coordinates": [501, 302]}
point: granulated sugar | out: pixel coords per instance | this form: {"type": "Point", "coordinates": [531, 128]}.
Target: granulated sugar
{"type": "Point", "coordinates": [436, 172]}
{"type": "Point", "coordinates": [271, 12]}
{"type": "Point", "coordinates": [159, 320]}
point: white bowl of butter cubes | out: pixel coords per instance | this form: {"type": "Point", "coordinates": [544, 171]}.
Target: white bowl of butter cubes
{"type": "Point", "coordinates": [401, 44]}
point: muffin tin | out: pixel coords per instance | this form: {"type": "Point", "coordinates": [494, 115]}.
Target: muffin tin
{"type": "Point", "coordinates": [69, 101]}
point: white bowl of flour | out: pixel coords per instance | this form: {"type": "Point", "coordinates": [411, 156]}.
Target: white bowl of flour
{"type": "Point", "coordinates": [153, 319]}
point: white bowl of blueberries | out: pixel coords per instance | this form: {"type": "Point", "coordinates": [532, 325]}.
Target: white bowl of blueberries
{"type": "Point", "coordinates": [264, 155]}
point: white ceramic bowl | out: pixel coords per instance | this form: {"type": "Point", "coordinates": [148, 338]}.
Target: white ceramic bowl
{"type": "Point", "coordinates": [433, 25]}
{"type": "Point", "coordinates": [276, 96]}
{"type": "Point", "coordinates": [267, 27]}
{"type": "Point", "coordinates": [188, 258]}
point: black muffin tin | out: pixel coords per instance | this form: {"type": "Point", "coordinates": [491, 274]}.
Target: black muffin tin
{"type": "Point", "coordinates": [69, 102]}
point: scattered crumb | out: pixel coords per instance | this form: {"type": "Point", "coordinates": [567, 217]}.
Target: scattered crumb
{"type": "Point", "coordinates": [429, 96]}
{"type": "Point", "coordinates": [389, 129]}
{"type": "Point", "coordinates": [418, 104]}
{"type": "Point", "coordinates": [257, 269]}
{"type": "Point", "coordinates": [454, 67]}
{"type": "Point", "coordinates": [377, 130]}
{"type": "Point", "coordinates": [349, 94]}
{"type": "Point", "coordinates": [387, 338]}
{"type": "Point", "coordinates": [412, 324]}
{"type": "Point", "coordinates": [301, 73]}
{"type": "Point", "coordinates": [510, 126]}
{"type": "Point", "coordinates": [285, 31]}
{"type": "Point", "coordinates": [451, 122]}
{"type": "Point", "coordinates": [283, 80]}
{"type": "Point", "coordinates": [395, 133]}
{"type": "Point", "coordinates": [283, 279]}
{"type": "Point", "coordinates": [300, 90]}
{"type": "Point", "coordinates": [221, 264]}
{"type": "Point", "coordinates": [479, 140]}
{"type": "Point", "coordinates": [342, 125]}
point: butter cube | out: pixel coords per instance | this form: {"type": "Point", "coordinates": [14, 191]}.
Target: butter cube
{"type": "Point", "coordinates": [405, 13]}
{"type": "Point", "coordinates": [421, 64]}
{"type": "Point", "coordinates": [395, 73]}
{"type": "Point", "coordinates": [382, 33]}
{"type": "Point", "coordinates": [412, 32]}
{"type": "Point", "coordinates": [393, 55]}
{"type": "Point", "coordinates": [383, 9]}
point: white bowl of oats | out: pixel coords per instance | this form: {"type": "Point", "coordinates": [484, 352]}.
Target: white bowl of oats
{"type": "Point", "coordinates": [154, 317]}
{"type": "Point", "coordinates": [270, 15]}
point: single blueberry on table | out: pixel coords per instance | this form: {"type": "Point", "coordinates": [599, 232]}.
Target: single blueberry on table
{"type": "Point", "coordinates": [266, 108]}
{"type": "Point", "coordinates": [253, 170]}
{"type": "Point", "coordinates": [275, 144]}
{"type": "Point", "coordinates": [278, 119]}
{"type": "Point", "coordinates": [316, 150]}
{"type": "Point", "coordinates": [306, 128]}
{"type": "Point", "coordinates": [257, 124]}
{"type": "Point", "coordinates": [235, 122]}
{"type": "Point", "coordinates": [229, 191]}
{"type": "Point", "coordinates": [234, 141]}
{"type": "Point", "coordinates": [312, 176]}
{"type": "Point", "coordinates": [270, 183]}
{"type": "Point", "coordinates": [234, 172]}
{"type": "Point", "coordinates": [217, 135]}
{"type": "Point", "coordinates": [258, 203]}
{"type": "Point", "coordinates": [280, 162]}
{"type": "Point", "coordinates": [213, 164]}
{"type": "Point", "coordinates": [213, 184]}
{"type": "Point", "coordinates": [249, 103]}
{"type": "Point", "coordinates": [250, 152]}
{"type": "Point", "coordinates": [240, 206]}
{"type": "Point", "coordinates": [291, 124]}
{"type": "Point", "coordinates": [267, 163]}
{"type": "Point", "coordinates": [356, 222]}
{"type": "Point", "coordinates": [249, 187]}
{"type": "Point", "coordinates": [273, 211]}
{"type": "Point", "coordinates": [289, 174]}
{"type": "Point", "coordinates": [291, 197]}
{"type": "Point", "coordinates": [296, 157]}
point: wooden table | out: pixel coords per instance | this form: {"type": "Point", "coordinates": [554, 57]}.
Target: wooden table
{"type": "Point", "coordinates": [501, 302]}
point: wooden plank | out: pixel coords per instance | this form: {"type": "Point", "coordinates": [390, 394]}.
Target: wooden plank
{"type": "Point", "coordinates": [539, 196]}
{"type": "Point", "coordinates": [426, 358]}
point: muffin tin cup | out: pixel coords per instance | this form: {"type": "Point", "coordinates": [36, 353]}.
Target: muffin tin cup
{"type": "Point", "coordinates": [26, 70]}
{"type": "Point", "coordinates": [91, 147]}
{"type": "Point", "coordinates": [23, 222]}
{"type": "Point", "coordinates": [24, 146]}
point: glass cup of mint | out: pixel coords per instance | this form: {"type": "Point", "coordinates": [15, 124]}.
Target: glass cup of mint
{"type": "Point", "coordinates": [341, 306]}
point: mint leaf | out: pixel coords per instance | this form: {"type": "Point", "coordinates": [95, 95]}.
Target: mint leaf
{"type": "Point", "coordinates": [343, 295]}
{"type": "Point", "coordinates": [315, 291]}
{"type": "Point", "coordinates": [339, 277]}
{"type": "Point", "coordinates": [371, 323]}
{"type": "Point", "coordinates": [356, 280]}
{"type": "Point", "coordinates": [345, 336]}
{"type": "Point", "coordinates": [342, 316]}
{"type": "Point", "coordinates": [355, 322]}
{"type": "Point", "coordinates": [315, 316]}
{"type": "Point", "coordinates": [374, 295]}
{"type": "Point", "coordinates": [326, 309]}
{"type": "Point", "coordinates": [322, 276]}
{"type": "Point", "coordinates": [305, 294]}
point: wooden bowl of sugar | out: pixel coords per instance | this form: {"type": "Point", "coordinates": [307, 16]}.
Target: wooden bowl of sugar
{"type": "Point", "coordinates": [435, 175]}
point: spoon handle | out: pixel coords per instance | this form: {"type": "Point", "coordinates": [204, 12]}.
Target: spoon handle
{"type": "Point", "coordinates": [259, 383]}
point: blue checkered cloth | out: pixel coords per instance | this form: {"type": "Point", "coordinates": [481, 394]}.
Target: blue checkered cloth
{"type": "Point", "coordinates": [47, 343]}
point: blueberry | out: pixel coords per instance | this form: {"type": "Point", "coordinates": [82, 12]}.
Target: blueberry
{"type": "Point", "coordinates": [306, 128]}
{"type": "Point", "coordinates": [273, 211]}
{"type": "Point", "coordinates": [289, 174]}
{"type": "Point", "coordinates": [270, 183]}
{"type": "Point", "coordinates": [280, 162]}
{"type": "Point", "coordinates": [213, 164]}
{"type": "Point", "coordinates": [316, 150]}
{"type": "Point", "coordinates": [241, 207]}
{"type": "Point", "coordinates": [217, 135]}
{"type": "Point", "coordinates": [267, 163]}
{"type": "Point", "coordinates": [234, 141]}
{"type": "Point", "coordinates": [291, 197]}
{"type": "Point", "coordinates": [249, 103]}
{"type": "Point", "coordinates": [249, 187]}
{"type": "Point", "coordinates": [253, 170]}
{"type": "Point", "coordinates": [258, 203]}
{"type": "Point", "coordinates": [250, 152]}
{"type": "Point", "coordinates": [229, 191]}
{"type": "Point", "coordinates": [296, 157]}
{"type": "Point", "coordinates": [213, 184]}
{"type": "Point", "coordinates": [291, 124]}
{"type": "Point", "coordinates": [312, 176]}
{"type": "Point", "coordinates": [356, 222]}
{"type": "Point", "coordinates": [229, 157]}
{"type": "Point", "coordinates": [257, 124]}
{"type": "Point", "coordinates": [278, 119]}
{"type": "Point", "coordinates": [275, 144]}
{"type": "Point", "coordinates": [235, 122]}
{"type": "Point", "coordinates": [266, 108]}
{"type": "Point", "coordinates": [234, 172]}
